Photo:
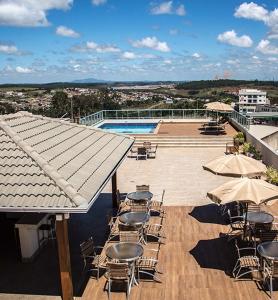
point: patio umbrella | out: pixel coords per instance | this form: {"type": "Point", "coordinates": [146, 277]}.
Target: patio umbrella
{"type": "Point", "coordinates": [236, 165]}
{"type": "Point", "coordinates": [219, 106]}
{"type": "Point", "coordinates": [245, 190]}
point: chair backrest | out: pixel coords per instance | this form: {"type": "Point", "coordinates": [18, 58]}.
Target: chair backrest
{"type": "Point", "coordinates": [237, 248]}
{"type": "Point", "coordinates": [162, 197]}
{"type": "Point", "coordinates": [142, 207]}
{"type": "Point", "coordinates": [147, 145]}
{"type": "Point", "coordinates": [142, 188]}
{"type": "Point", "coordinates": [275, 269]}
{"type": "Point", "coordinates": [142, 151]}
{"type": "Point", "coordinates": [118, 271]}
{"type": "Point", "coordinates": [51, 220]}
{"type": "Point", "coordinates": [124, 227]}
{"type": "Point", "coordinates": [87, 248]}
{"type": "Point", "coordinates": [254, 207]}
{"type": "Point", "coordinates": [130, 236]}
{"type": "Point", "coordinates": [269, 235]}
{"type": "Point", "coordinates": [229, 215]}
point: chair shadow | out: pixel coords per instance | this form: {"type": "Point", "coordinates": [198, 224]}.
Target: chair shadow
{"type": "Point", "coordinates": [215, 254]}
{"type": "Point", "coordinates": [209, 213]}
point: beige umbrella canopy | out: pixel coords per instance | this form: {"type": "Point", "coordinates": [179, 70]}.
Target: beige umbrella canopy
{"type": "Point", "coordinates": [245, 190]}
{"type": "Point", "coordinates": [219, 106]}
{"type": "Point", "coordinates": [236, 165]}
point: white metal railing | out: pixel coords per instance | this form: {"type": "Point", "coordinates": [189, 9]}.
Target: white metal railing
{"type": "Point", "coordinates": [241, 119]}
{"type": "Point", "coordinates": [92, 119]}
{"type": "Point", "coordinates": [147, 114]}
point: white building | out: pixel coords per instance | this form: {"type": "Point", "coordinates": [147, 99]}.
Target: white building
{"type": "Point", "coordinates": [250, 99]}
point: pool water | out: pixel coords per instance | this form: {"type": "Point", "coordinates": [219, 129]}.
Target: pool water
{"type": "Point", "coordinates": [130, 128]}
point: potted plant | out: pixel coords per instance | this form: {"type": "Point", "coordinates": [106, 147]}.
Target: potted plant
{"type": "Point", "coordinates": [246, 148]}
{"type": "Point", "coordinates": [272, 175]}
{"type": "Point", "coordinates": [250, 151]}
{"type": "Point", "coordinates": [239, 138]}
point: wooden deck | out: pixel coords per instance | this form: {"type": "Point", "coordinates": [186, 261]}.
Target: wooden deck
{"type": "Point", "coordinates": [190, 129]}
{"type": "Point", "coordinates": [196, 262]}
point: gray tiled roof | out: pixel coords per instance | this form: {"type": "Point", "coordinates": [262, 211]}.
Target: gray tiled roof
{"type": "Point", "coordinates": [49, 164]}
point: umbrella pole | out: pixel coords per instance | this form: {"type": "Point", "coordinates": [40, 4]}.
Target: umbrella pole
{"type": "Point", "coordinates": [245, 222]}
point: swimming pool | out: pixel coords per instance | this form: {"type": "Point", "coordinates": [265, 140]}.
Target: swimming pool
{"type": "Point", "coordinates": [129, 128]}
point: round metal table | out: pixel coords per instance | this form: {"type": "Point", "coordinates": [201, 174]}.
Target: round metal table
{"type": "Point", "coordinates": [128, 252]}
{"type": "Point", "coordinates": [134, 218]}
{"type": "Point", "coordinates": [140, 196]}
{"type": "Point", "coordinates": [268, 250]}
{"type": "Point", "coordinates": [259, 217]}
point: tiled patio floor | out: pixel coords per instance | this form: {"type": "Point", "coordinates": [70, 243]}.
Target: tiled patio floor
{"type": "Point", "coordinates": [178, 171]}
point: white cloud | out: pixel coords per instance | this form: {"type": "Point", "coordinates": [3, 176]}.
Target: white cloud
{"type": "Point", "coordinates": [152, 43]}
{"type": "Point", "coordinates": [265, 47]}
{"type": "Point", "coordinates": [29, 12]}
{"type": "Point", "coordinates": [23, 70]}
{"type": "Point", "coordinates": [173, 31]}
{"type": "Point", "coordinates": [163, 8]}
{"type": "Point", "coordinates": [255, 57]}
{"type": "Point", "coordinates": [92, 46]}
{"type": "Point", "coordinates": [196, 55]}
{"type": "Point", "coordinates": [98, 2]}
{"type": "Point", "coordinates": [180, 11]}
{"type": "Point", "coordinates": [65, 31]}
{"type": "Point", "coordinates": [9, 49]}
{"type": "Point", "coordinates": [273, 59]}
{"type": "Point", "coordinates": [167, 8]}
{"type": "Point", "coordinates": [231, 38]}
{"type": "Point", "coordinates": [232, 61]}
{"type": "Point", "coordinates": [129, 55]}
{"type": "Point", "coordinates": [256, 12]}
{"type": "Point", "coordinates": [167, 62]}
{"type": "Point", "coordinates": [251, 11]}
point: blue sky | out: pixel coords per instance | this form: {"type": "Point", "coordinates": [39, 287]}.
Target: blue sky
{"type": "Point", "coordinates": [63, 40]}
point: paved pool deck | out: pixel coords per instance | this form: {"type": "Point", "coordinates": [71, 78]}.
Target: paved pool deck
{"type": "Point", "coordinates": [177, 170]}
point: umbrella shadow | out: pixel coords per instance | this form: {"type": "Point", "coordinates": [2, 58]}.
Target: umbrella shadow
{"type": "Point", "coordinates": [209, 213]}
{"type": "Point", "coordinates": [215, 254]}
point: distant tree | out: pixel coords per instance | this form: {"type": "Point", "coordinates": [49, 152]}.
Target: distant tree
{"type": "Point", "coordinates": [60, 105]}
{"type": "Point", "coordinates": [6, 108]}
{"type": "Point", "coordinates": [192, 92]}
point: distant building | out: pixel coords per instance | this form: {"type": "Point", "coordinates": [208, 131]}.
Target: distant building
{"type": "Point", "coordinates": [169, 101]}
{"type": "Point", "coordinates": [266, 108]}
{"type": "Point", "coordinates": [250, 99]}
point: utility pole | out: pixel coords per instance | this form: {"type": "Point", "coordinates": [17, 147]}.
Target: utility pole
{"type": "Point", "coordinates": [71, 109]}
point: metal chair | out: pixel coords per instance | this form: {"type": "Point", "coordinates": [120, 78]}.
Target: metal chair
{"type": "Point", "coordinates": [142, 188]}
{"type": "Point", "coordinates": [132, 153]}
{"type": "Point", "coordinates": [236, 226]}
{"type": "Point", "coordinates": [247, 260]}
{"type": "Point", "coordinates": [148, 265]}
{"type": "Point", "coordinates": [270, 272]}
{"type": "Point", "coordinates": [122, 202]}
{"type": "Point", "coordinates": [141, 153]}
{"type": "Point", "coordinates": [155, 231]}
{"type": "Point", "coordinates": [131, 237]}
{"type": "Point", "coordinates": [151, 151]}
{"type": "Point", "coordinates": [142, 206]}
{"type": "Point", "coordinates": [269, 235]}
{"type": "Point", "coordinates": [119, 272]}
{"type": "Point", "coordinates": [50, 228]}
{"type": "Point", "coordinates": [157, 206]}
{"type": "Point", "coordinates": [92, 254]}
{"type": "Point", "coordinates": [252, 207]}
